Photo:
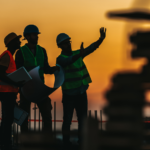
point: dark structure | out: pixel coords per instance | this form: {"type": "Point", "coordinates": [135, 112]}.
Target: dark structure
{"type": "Point", "coordinates": [125, 125]}
{"type": "Point", "coordinates": [125, 128]}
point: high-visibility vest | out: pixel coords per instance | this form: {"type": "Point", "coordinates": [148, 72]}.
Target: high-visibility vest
{"type": "Point", "coordinates": [76, 74]}
{"type": "Point", "coordinates": [31, 61]}
{"type": "Point", "coordinates": [5, 87]}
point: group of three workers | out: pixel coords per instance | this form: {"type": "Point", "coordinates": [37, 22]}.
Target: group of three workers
{"type": "Point", "coordinates": [30, 55]}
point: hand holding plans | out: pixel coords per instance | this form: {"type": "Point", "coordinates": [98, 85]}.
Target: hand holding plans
{"type": "Point", "coordinates": [20, 75]}
{"type": "Point", "coordinates": [35, 90]}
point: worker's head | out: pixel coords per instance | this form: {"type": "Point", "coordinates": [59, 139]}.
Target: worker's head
{"type": "Point", "coordinates": [63, 42]}
{"type": "Point", "coordinates": [12, 41]}
{"type": "Point", "coordinates": [31, 34]}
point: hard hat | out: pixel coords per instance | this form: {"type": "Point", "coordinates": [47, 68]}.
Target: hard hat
{"type": "Point", "coordinates": [61, 37]}
{"type": "Point", "coordinates": [31, 29]}
{"type": "Point", "coordinates": [10, 37]}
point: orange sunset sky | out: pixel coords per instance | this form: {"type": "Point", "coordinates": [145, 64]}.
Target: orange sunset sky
{"type": "Point", "coordinates": [81, 20]}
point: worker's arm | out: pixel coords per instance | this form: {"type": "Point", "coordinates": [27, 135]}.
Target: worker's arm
{"type": "Point", "coordinates": [47, 68]}
{"type": "Point", "coordinates": [83, 52]}
{"type": "Point", "coordinates": [95, 45]}
{"type": "Point", "coordinates": [19, 60]}
{"type": "Point", "coordinates": [62, 61]}
{"type": "Point", "coordinates": [102, 37]}
{"type": "Point", "coordinates": [91, 48]}
{"type": "Point", "coordinates": [4, 63]}
{"type": "Point", "coordinates": [4, 78]}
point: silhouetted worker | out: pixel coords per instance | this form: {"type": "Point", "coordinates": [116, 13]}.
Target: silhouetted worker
{"type": "Point", "coordinates": [8, 88]}
{"type": "Point", "coordinates": [31, 55]}
{"type": "Point", "coordinates": [76, 82]}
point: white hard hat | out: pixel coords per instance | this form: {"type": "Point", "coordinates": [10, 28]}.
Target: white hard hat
{"type": "Point", "coordinates": [61, 37]}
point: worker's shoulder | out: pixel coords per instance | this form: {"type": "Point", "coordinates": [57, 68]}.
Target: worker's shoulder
{"type": "Point", "coordinates": [4, 60]}
{"type": "Point", "coordinates": [44, 50]}
{"type": "Point", "coordinates": [19, 52]}
{"type": "Point", "coordinates": [76, 51]}
{"type": "Point", "coordinates": [59, 59]}
{"type": "Point", "coordinates": [5, 57]}
{"type": "Point", "coordinates": [60, 56]}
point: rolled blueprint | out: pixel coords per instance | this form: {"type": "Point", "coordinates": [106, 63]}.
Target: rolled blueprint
{"type": "Point", "coordinates": [35, 90]}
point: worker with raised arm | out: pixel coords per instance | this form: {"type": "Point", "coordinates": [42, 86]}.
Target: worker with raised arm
{"type": "Point", "coordinates": [8, 88]}
{"type": "Point", "coordinates": [76, 82]}
{"type": "Point", "coordinates": [30, 56]}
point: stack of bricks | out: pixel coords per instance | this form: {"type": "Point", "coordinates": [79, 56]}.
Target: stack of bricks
{"type": "Point", "coordinates": [142, 50]}
{"type": "Point", "coordinates": [124, 130]}
{"type": "Point", "coordinates": [141, 40]}
{"type": "Point", "coordinates": [125, 126]}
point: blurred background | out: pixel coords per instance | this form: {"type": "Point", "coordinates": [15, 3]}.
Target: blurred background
{"type": "Point", "coordinates": [81, 20]}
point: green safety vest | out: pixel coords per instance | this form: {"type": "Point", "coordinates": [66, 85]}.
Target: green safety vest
{"type": "Point", "coordinates": [31, 61]}
{"type": "Point", "coordinates": [75, 74]}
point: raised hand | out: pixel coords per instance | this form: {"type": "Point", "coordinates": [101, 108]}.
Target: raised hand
{"type": "Point", "coordinates": [102, 32]}
{"type": "Point", "coordinates": [82, 49]}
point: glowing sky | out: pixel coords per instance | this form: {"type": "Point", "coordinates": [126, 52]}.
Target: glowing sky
{"type": "Point", "coordinates": [81, 20]}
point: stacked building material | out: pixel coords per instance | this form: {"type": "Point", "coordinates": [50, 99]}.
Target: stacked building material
{"type": "Point", "coordinates": [124, 128]}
